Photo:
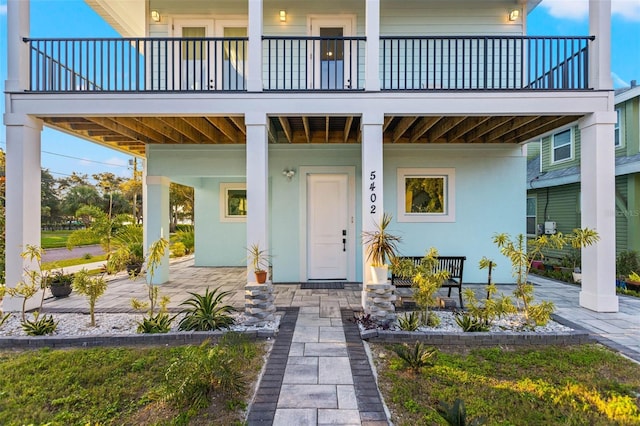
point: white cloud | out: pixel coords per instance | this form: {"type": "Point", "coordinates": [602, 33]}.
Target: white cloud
{"type": "Point", "coordinates": [618, 82]}
{"type": "Point", "coordinates": [579, 9]}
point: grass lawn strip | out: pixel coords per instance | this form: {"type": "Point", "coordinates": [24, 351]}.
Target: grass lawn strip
{"type": "Point", "coordinates": [110, 386]}
{"type": "Point", "coordinates": [573, 385]}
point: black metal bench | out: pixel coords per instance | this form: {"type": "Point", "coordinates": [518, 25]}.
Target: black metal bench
{"type": "Point", "coordinates": [452, 264]}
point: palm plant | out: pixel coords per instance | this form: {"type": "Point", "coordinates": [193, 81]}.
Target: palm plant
{"type": "Point", "coordinates": [381, 245]}
{"type": "Point", "coordinates": [206, 312]}
{"type": "Point", "coordinates": [128, 250]}
{"type": "Point", "coordinates": [91, 287]}
{"type": "Point", "coordinates": [416, 356]}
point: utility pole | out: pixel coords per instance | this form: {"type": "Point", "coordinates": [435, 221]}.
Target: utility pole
{"type": "Point", "coordinates": [134, 163]}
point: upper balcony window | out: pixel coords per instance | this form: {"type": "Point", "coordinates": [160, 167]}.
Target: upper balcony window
{"type": "Point", "coordinates": [562, 143]}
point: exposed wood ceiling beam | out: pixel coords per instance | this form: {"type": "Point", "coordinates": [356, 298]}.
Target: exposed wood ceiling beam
{"type": "Point", "coordinates": [465, 127]}
{"type": "Point", "coordinates": [484, 128]}
{"type": "Point", "coordinates": [347, 128]}
{"type": "Point", "coordinates": [443, 126]}
{"type": "Point", "coordinates": [422, 127]}
{"type": "Point", "coordinates": [204, 127]}
{"type": "Point", "coordinates": [402, 127]}
{"type": "Point", "coordinates": [184, 129]}
{"type": "Point", "coordinates": [239, 123]}
{"type": "Point", "coordinates": [121, 129]}
{"type": "Point", "coordinates": [270, 135]}
{"type": "Point", "coordinates": [387, 121]}
{"type": "Point", "coordinates": [166, 133]}
{"type": "Point", "coordinates": [286, 127]}
{"type": "Point", "coordinates": [326, 129]}
{"type": "Point", "coordinates": [226, 128]}
{"type": "Point", "coordinates": [517, 122]}
{"type": "Point", "coordinates": [307, 129]}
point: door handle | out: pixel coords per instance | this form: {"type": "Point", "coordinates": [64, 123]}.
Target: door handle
{"type": "Point", "coordinates": [344, 244]}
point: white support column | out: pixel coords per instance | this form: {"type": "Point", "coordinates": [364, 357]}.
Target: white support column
{"type": "Point", "coordinates": [600, 51]}
{"type": "Point", "coordinates": [17, 50]}
{"type": "Point", "coordinates": [372, 59]}
{"type": "Point", "coordinates": [22, 198]}
{"type": "Point", "coordinates": [156, 220]}
{"type": "Point", "coordinates": [597, 176]}
{"type": "Point", "coordinates": [254, 79]}
{"type": "Point", "coordinates": [257, 183]}
{"type": "Point", "coordinates": [372, 184]}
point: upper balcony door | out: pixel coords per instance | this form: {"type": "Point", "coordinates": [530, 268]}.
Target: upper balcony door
{"type": "Point", "coordinates": [331, 56]}
{"type": "Point", "coordinates": [196, 71]}
{"type": "Point", "coordinates": [232, 60]}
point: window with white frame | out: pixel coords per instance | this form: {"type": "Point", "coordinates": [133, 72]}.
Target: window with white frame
{"type": "Point", "coordinates": [233, 202]}
{"type": "Point", "coordinates": [426, 195]}
{"type": "Point", "coordinates": [618, 129]}
{"type": "Point", "coordinates": [562, 144]}
{"type": "Point", "coordinates": [532, 205]}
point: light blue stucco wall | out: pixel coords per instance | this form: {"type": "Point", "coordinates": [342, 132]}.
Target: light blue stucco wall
{"type": "Point", "coordinates": [489, 194]}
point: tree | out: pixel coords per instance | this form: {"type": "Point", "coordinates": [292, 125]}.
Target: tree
{"type": "Point", "coordinates": [78, 196]}
{"type": "Point", "coordinates": [100, 227]}
{"type": "Point", "coordinates": [2, 217]}
{"type": "Point", "coordinates": [73, 180]}
{"type": "Point", "coordinates": [181, 203]}
{"type": "Point", "coordinates": [132, 190]}
{"type": "Point", "coordinates": [51, 209]}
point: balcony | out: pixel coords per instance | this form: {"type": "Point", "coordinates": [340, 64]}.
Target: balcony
{"type": "Point", "coordinates": [467, 63]}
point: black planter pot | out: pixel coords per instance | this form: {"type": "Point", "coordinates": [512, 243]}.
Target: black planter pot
{"type": "Point", "coordinates": [60, 290]}
{"type": "Point", "coordinates": [134, 268]}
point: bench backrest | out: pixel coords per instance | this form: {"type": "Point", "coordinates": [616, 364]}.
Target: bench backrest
{"type": "Point", "coordinates": [453, 264]}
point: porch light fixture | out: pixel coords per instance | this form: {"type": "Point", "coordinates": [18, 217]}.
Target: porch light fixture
{"type": "Point", "coordinates": [289, 173]}
{"type": "Point", "coordinates": [514, 14]}
{"type": "Point", "coordinates": [283, 16]}
{"type": "Point", "coordinates": [155, 16]}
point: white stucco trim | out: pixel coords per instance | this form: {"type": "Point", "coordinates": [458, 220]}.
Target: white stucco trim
{"type": "Point", "coordinates": [350, 171]}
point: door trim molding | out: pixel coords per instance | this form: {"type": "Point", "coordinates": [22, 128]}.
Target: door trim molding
{"type": "Point", "coordinates": [350, 171]}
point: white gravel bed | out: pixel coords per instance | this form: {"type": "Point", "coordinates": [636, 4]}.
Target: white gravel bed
{"type": "Point", "coordinates": [110, 324]}
{"type": "Point", "coordinates": [508, 323]}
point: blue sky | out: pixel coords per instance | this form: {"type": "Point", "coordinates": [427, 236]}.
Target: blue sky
{"type": "Point", "coordinates": [63, 154]}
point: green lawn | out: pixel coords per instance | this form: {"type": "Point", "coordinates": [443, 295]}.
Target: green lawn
{"type": "Point", "coordinates": [577, 385]}
{"type": "Point", "coordinates": [72, 262]}
{"type": "Point", "coordinates": [113, 386]}
{"type": "Point", "coordinates": [56, 239]}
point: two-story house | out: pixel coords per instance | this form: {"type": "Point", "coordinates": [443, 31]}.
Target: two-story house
{"type": "Point", "coordinates": [299, 123]}
{"type": "Point", "coordinates": [553, 176]}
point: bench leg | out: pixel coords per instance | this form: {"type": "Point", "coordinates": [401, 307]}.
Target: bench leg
{"type": "Point", "coordinates": [460, 296]}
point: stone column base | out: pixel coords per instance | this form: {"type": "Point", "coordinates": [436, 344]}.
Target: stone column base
{"type": "Point", "coordinates": [259, 306]}
{"type": "Point", "coordinates": [379, 301]}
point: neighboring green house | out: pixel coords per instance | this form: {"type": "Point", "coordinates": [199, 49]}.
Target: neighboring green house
{"type": "Point", "coordinates": [553, 176]}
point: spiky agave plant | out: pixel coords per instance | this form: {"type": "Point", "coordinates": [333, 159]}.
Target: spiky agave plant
{"type": "Point", "coordinates": [416, 356]}
{"type": "Point", "coordinates": [206, 312]}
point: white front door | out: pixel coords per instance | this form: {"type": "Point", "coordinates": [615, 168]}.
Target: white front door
{"type": "Point", "coordinates": [327, 226]}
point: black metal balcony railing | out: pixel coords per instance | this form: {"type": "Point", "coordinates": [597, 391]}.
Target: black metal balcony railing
{"type": "Point", "coordinates": [138, 64]}
{"type": "Point", "coordinates": [314, 63]}
{"type": "Point", "coordinates": [309, 64]}
{"type": "Point", "coordinates": [484, 63]}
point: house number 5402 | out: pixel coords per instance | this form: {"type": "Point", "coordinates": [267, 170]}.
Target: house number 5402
{"type": "Point", "coordinates": [372, 192]}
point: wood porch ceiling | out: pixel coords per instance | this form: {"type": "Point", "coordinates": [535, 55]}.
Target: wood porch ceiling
{"type": "Point", "coordinates": [132, 133]}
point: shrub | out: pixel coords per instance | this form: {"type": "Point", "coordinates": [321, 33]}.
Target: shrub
{"type": "Point", "coordinates": [204, 371]}
{"type": "Point", "coordinates": [627, 261]}
{"type": "Point", "coordinates": [39, 326]}
{"type": "Point", "coordinates": [90, 286]}
{"type": "Point", "coordinates": [154, 324]}
{"type": "Point", "coordinates": [409, 322]}
{"type": "Point", "coordinates": [206, 312]}
{"type": "Point", "coordinates": [178, 249]}
{"type": "Point", "coordinates": [456, 414]}
{"type": "Point", "coordinates": [187, 238]}
{"type": "Point", "coordinates": [417, 356]}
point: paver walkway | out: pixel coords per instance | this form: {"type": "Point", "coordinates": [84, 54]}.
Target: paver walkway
{"type": "Point", "coordinates": [318, 371]}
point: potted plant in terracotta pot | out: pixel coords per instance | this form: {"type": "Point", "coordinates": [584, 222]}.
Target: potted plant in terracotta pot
{"type": "Point", "coordinates": [260, 261]}
{"type": "Point", "coordinates": [381, 247]}
{"type": "Point", "coordinates": [60, 284]}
